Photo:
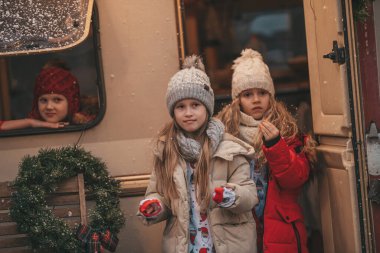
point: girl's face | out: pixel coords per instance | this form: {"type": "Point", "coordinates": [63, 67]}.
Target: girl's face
{"type": "Point", "coordinates": [255, 102]}
{"type": "Point", "coordinates": [190, 114]}
{"type": "Point", "coordinates": [53, 107]}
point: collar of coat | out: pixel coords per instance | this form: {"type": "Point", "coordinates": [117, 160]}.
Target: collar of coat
{"type": "Point", "coordinates": [229, 147]}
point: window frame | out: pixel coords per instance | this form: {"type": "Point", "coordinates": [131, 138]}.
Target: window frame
{"type": "Point", "coordinates": [99, 83]}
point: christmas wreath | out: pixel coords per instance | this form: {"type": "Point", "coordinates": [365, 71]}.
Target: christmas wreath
{"type": "Point", "coordinates": [39, 175]}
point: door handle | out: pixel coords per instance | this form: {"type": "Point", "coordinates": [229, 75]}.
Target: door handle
{"type": "Point", "coordinates": [337, 55]}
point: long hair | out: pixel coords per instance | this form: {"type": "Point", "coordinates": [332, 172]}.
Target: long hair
{"type": "Point", "coordinates": [165, 166]}
{"type": "Point", "coordinates": [230, 116]}
{"type": "Point", "coordinates": [278, 115]}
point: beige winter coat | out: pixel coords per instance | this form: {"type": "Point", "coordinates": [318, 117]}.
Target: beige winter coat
{"type": "Point", "coordinates": [233, 228]}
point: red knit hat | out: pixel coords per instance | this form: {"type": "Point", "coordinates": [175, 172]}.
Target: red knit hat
{"type": "Point", "coordinates": [58, 81]}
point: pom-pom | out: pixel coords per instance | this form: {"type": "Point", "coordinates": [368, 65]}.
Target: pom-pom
{"type": "Point", "coordinates": [247, 54]}
{"type": "Point", "coordinates": [218, 195]}
{"type": "Point", "coordinates": [193, 61]}
{"type": "Point", "coordinates": [223, 196]}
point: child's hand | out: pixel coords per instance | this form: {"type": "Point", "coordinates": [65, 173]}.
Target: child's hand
{"type": "Point", "coordinates": [268, 130]}
{"type": "Point", "coordinates": [40, 123]}
{"type": "Point", "coordinates": [150, 208]}
{"type": "Point", "coordinates": [224, 196]}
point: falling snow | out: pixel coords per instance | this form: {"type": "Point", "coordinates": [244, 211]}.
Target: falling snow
{"type": "Point", "coordinates": [39, 24]}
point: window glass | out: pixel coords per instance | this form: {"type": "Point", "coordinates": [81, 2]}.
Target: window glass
{"type": "Point", "coordinates": [35, 25]}
{"type": "Point", "coordinates": [219, 30]}
{"type": "Point", "coordinates": [20, 74]}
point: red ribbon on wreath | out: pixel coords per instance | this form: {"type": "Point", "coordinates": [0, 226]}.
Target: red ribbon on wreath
{"type": "Point", "coordinates": [93, 241]}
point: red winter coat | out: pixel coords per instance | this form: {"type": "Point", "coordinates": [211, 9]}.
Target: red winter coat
{"type": "Point", "coordinates": [284, 229]}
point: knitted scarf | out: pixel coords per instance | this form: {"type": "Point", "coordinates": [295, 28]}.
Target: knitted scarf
{"type": "Point", "coordinates": [190, 149]}
{"type": "Point", "coordinates": [248, 128]}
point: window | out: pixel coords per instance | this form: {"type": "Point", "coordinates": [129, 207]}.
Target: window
{"type": "Point", "coordinates": [219, 30]}
{"type": "Point", "coordinates": [19, 69]}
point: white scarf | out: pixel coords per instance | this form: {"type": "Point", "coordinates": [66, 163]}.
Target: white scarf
{"type": "Point", "coordinates": [248, 128]}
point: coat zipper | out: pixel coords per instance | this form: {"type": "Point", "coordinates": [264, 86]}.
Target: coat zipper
{"type": "Point", "coordinates": [297, 234]}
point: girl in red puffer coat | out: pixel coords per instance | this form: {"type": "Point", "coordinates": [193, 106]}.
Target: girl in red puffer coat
{"type": "Point", "coordinates": [281, 166]}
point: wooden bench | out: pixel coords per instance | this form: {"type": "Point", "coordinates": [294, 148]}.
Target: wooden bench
{"type": "Point", "coordinates": [68, 203]}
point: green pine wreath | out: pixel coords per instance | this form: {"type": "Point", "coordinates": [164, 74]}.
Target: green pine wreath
{"type": "Point", "coordinates": [40, 175]}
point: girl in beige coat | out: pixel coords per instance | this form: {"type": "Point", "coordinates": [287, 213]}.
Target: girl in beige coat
{"type": "Point", "coordinates": [201, 180]}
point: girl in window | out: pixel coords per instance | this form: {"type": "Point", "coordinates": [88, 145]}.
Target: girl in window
{"type": "Point", "coordinates": [56, 100]}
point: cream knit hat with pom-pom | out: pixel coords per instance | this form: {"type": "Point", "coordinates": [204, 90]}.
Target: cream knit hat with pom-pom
{"type": "Point", "coordinates": [190, 82]}
{"type": "Point", "coordinates": [250, 71]}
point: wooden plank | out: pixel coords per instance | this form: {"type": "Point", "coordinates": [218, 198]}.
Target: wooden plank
{"type": "Point", "coordinates": [67, 212]}
{"type": "Point", "coordinates": [133, 177]}
{"type": "Point", "coordinates": [5, 190]}
{"type": "Point", "coordinates": [130, 185]}
{"type": "Point", "coordinates": [56, 200]}
{"type": "Point", "coordinates": [52, 201]}
{"type": "Point", "coordinates": [11, 227]}
{"type": "Point", "coordinates": [9, 242]}
{"type": "Point", "coordinates": [67, 202]}
{"type": "Point", "coordinates": [62, 211]}
{"type": "Point", "coordinates": [4, 203]}
{"type": "Point", "coordinates": [4, 217]}
{"type": "Point", "coordinates": [68, 186]}
{"type": "Point", "coordinates": [134, 186]}
{"type": "Point", "coordinates": [8, 228]}
{"type": "Point", "coordinates": [17, 250]}
{"type": "Point", "coordinates": [82, 199]}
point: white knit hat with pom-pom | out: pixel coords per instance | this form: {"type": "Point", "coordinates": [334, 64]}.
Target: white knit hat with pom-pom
{"type": "Point", "coordinates": [190, 82]}
{"type": "Point", "coordinates": [250, 71]}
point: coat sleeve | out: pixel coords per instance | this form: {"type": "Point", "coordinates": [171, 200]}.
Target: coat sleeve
{"type": "Point", "coordinates": [290, 169]}
{"type": "Point", "coordinates": [152, 193]}
{"type": "Point", "coordinates": [245, 189]}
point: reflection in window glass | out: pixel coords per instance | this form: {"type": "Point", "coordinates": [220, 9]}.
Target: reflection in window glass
{"type": "Point", "coordinates": [269, 24]}
{"type": "Point", "coordinates": [219, 30]}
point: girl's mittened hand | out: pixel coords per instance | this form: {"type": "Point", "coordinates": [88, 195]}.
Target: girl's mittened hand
{"type": "Point", "coordinates": [224, 196]}
{"type": "Point", "coordinates": [150, 208]}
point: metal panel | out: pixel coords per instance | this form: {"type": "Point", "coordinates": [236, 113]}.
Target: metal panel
{"type": "Point", "coordinates": [339, 210]}
{"type": "Point", "coordinates": [328, 80]}
{"type": "Point", "coordinates": [329, 87]}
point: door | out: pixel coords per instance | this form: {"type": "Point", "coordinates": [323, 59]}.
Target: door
{"type": "Point", "coordinates": [333, 88]}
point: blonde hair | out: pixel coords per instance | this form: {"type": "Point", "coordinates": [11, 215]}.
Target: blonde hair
{"type": "Point", "coordinates": [278, 115]}
{"type": "Point", "coordinates": [164, 167]}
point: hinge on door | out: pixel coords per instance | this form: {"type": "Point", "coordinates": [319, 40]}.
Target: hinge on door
{"type": "Point", "coordinates": [337, 55]}
{"type": "Point", "coordinates": [373, 150]}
